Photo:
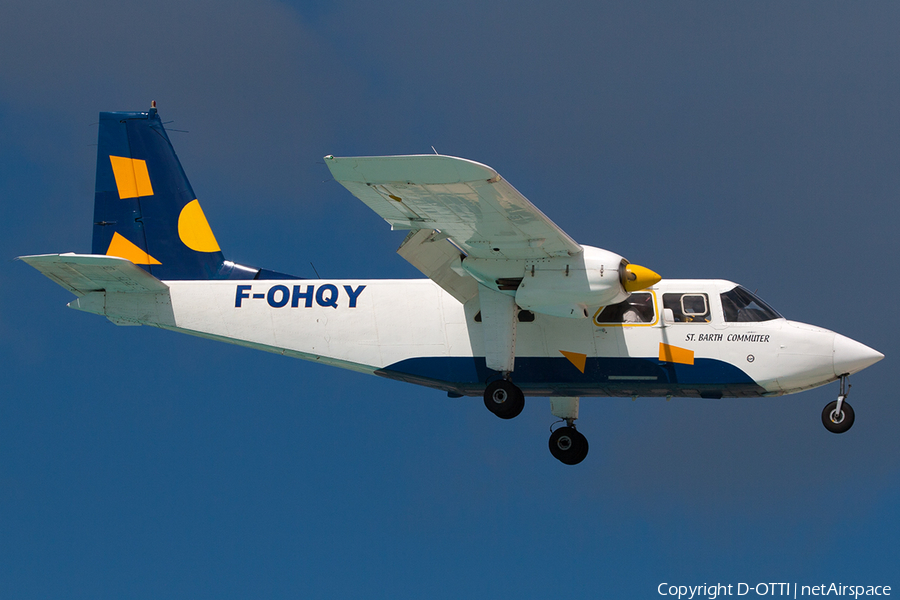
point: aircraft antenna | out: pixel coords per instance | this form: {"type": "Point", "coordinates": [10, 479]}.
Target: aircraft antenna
{"type": "Point", "coordinates": [314, 270]}
{"type": "Point", "coordinates": [435, 151]}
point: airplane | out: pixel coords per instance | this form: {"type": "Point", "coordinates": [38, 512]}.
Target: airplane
{"type": "Point", "coordinates": [512, 306]}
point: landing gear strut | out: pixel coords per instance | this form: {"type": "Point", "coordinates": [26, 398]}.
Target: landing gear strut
{"type": "Point", "coordinates": [504, 399]}
{"type": "Point", "coordinates": [566, 444]}
{"type": "Point", "coordinates": [837, 416]}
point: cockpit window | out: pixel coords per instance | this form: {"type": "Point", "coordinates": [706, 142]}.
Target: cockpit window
{"type": "Point", "coordinates": [688, 308]}
{"type": "Point", "coordinates": [694, 304]}
{"type": "Point", "coordinates": [637, 309]}
{"type": "Point", "coordinates": [742, 306]}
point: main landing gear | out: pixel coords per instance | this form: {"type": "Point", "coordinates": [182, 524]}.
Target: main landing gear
{"type": "Point", "coordinates": [503, 398]}
{"type": "Point", "coordinates": [567, 445]}
{"type": "Point", "coordinates": [837, 416]}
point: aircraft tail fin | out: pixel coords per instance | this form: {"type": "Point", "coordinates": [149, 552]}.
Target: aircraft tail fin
{"type": "Point", "coordinates": [144, 207]}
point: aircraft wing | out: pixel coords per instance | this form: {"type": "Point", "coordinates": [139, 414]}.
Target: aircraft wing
{"type": "Point", "coordinates": [463, 201]}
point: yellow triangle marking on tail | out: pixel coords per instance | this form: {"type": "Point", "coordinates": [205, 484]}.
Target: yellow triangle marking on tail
{"type": "Point", "coordinates": [132, 178]}
{"type": "Point", "coordinates": [675, 354]}
{"type": "Point", "coordinates": [121, 247]}
{"type": "Point", "coordinates": [576, 358]}
{"type": "Point", "coordinates": [194, 229]}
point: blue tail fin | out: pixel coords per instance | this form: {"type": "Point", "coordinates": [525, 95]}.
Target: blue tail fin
{"type": "Point", "coordinates": [144, 207]}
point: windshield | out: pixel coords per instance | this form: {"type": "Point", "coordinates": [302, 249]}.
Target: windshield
{"type": "Point", "coordinates": [742, 306]}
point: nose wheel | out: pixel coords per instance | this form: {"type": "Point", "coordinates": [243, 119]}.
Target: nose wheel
{"type": "Point", "coordinates": [838, 416]}
{"type": "Point", "coordinates": [504, 399]}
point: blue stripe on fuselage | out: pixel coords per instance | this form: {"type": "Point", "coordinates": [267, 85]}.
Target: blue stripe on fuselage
{"type": "Point", "coordinates": [601, 377]}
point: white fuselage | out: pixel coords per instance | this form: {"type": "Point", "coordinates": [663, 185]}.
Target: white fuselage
{"type": "Point", "coordinates": [414, 331]}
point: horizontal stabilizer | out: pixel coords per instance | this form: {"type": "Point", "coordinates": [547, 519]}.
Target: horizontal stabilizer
{"type": "Point", "coordinates": [85, 273]}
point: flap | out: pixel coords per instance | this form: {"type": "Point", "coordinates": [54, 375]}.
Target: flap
{"type": "Point", "coordinates": [436, 257]}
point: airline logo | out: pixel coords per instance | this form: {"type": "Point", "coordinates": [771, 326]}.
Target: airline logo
{"type": "Point", "coordinates": [133, 181]}
{"type": "Point", "coordinates": [121, 247]}
{"type": "Point", "coordinates": [132, 178]}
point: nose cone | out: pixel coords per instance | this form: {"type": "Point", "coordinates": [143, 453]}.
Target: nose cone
{"type": "Point", "coordinates": [639, 278]}
{"type": "Point", "coordinates": [850, 356]}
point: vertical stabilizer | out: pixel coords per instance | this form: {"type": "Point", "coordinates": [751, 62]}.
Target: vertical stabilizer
{"type": "Point", "coordinates": [144, 207]}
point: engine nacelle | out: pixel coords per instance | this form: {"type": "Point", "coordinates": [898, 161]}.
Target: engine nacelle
{"type": "Point", "coordinates": [572, 286]}
{"type": "Point", "coordinates": [563, 286]}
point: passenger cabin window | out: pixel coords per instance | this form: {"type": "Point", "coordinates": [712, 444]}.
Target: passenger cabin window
{"type": "Point", "coordinates": [637, 309]}
{"type": "Point", "coordinates": [688, 308]}
{"type": "Point", "coordinates": [742, 306]}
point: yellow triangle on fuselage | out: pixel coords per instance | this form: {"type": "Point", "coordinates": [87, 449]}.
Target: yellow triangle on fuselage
{"type": "Point", "coordinates": [674, 354]}
{"type": "Point", "coordinates": [576, 358]}
{"type": "Point", "coordinates": [121, 247]}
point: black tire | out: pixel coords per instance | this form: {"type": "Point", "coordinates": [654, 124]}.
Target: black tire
{"type": "Point", "coordinates": [845, 421]}
{"type": "Point", "coordinates": [504, 399]}
{"type": "Point", "coordinates": [568, 446]}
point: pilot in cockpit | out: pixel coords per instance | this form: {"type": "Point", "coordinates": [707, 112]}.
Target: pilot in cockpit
{"type": "Point", "coordinates": [638, 309]}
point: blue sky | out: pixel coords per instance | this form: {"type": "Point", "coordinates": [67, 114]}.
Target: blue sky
{"type": "Point", "coordinates": [757, 143]}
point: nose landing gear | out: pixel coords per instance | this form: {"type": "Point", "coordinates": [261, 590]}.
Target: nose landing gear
{"type": "Point", "coordinates": [838, 416]}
